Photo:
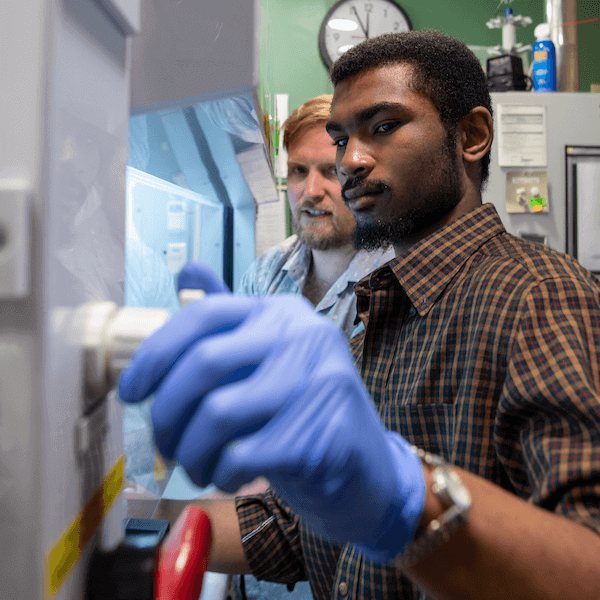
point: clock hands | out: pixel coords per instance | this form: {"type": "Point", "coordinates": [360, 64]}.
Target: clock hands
{"type": "Point", "coordinates": [365, 31]}
{"type": "Point", "coordinates": [388, 17]}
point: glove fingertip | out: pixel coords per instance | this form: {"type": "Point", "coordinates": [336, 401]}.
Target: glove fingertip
{"type": "Point", "coordinates": [197, 275]}
{"type": "Point", "coordinates": [165, 444]}
{"type": "Point", "coordinates": [234, 468]}
{"type": "Point", "coordinates": [127, 390]}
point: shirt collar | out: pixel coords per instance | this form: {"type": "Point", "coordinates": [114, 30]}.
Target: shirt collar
{"type": "Point", "coordinates": [426, 269]}
{"type": "Point", "coordinates": [365, 262]}
{"type": "Point", "coordinates": [298, 263]}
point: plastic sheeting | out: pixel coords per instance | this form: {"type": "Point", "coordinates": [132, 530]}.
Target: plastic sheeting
{"type": "Point", "coordinates": [236, 115]}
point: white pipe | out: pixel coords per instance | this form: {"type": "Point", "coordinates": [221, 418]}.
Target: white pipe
{"type": "Point", "coordinates": [509, 37]}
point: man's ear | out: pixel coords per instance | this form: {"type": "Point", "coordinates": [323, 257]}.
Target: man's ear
{"type": "Point", "coordinates": [477, 133]}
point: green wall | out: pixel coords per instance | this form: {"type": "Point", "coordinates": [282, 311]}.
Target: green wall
{"type": "Point", "coordinates": [290, 61]}
{"type": "Point", "coordinates": [588, 38]}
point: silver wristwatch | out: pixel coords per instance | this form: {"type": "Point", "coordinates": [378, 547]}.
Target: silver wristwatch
{"type": "Point", "coordinates": [452, 493]}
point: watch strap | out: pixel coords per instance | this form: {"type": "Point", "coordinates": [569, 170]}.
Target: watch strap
{"type": "Point", "coordinates": [439, 530]}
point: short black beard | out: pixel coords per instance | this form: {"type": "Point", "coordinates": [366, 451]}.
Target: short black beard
{"type": "Point", "coordinates": [379, 234]}
{"type": "Point", "coordinates": [426, 211]}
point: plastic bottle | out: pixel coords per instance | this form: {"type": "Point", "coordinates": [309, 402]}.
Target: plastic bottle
{"type": "Point", "coordinates": [509, 37]}
{"type": "Point", "coordinates": [544, 60]}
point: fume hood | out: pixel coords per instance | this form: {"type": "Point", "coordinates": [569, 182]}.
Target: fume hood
{"type": "Point", "coordinates": [195, 177]}
{"type": "Point", "coordinates": [72, 208]}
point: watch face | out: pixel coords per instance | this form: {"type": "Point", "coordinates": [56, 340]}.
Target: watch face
{"type": "Point", "coordinates": [453, 487]}
{"type": "Point", "coordinates": [350, 22]}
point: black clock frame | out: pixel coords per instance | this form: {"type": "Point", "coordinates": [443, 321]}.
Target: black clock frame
{"type": "Point", "coordinates": [323, 49]}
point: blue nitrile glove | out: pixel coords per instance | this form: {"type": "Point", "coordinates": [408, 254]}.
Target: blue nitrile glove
{"type": "Point", "coordinates": [249, 386]}
{"type": "Point", "coordinates": [196, 275]}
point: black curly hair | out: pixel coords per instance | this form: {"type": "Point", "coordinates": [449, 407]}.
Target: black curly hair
{"type": "Point", "coordinates": [444, 69]}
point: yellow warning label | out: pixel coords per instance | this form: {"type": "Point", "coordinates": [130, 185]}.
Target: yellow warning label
{"type": "Point", "coordinates": [160, 471]}
{"type": "Point", "coordinates": [61, 557]}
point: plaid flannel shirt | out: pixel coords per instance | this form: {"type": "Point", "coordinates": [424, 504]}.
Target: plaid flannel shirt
{"type": "Point", "coordinates": [479, 347]}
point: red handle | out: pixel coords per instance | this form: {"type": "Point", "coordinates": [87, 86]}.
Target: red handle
{"type": "Point", "coordinates": [184, 557]}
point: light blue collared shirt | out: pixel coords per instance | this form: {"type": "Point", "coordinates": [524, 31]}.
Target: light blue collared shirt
{"type": "Point", "coordinates": [284, 268]}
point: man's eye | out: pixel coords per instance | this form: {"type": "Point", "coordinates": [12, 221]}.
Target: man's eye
{"type": "Point", "coordinates": [386, 127]}
{"type": "Point", "coordinates": [296, 171]}
{"type": "Point", "coordinates": [340, 143]}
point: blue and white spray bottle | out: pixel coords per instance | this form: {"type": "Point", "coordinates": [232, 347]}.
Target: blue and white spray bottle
{"type": "Point", "coordinates": [544, 60]}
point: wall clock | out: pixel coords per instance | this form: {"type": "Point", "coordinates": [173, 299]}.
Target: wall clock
{"type": "Point", "coordinates": [350, 22]}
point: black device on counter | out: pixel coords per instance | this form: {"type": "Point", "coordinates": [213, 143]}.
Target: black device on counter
{"type": "Point", "coordinates": [145, 533]}
{"type": "Point", "coordinates": [505, 73]}
{"type": "Point", "coordinates": [128, 571]}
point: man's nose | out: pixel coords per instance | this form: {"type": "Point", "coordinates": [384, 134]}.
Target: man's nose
{"type": "Point", "coordinates": [356, 161]}
{"type": "Point", "coordinates": [315, 185]}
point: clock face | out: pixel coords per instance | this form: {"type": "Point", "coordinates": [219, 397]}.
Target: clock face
{"type": "Point", "coordinates": [350, 22]}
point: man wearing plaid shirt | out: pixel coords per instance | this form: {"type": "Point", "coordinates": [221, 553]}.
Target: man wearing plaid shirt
{"type": "Point", "coordinates": [479, 348]}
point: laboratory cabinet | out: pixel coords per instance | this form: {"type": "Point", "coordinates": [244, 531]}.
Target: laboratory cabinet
{"type": "Point", "coordinates": [82, 197]}
{"type": "Point", "coordinates": [545, 170]}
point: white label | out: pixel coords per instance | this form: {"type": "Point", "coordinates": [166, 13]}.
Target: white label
{"type": "Point", "coordinates": [176, 216]}
{"type": "Point", "coordinates": [176, 256]}
{"type": "Point", "coordinates": [522, 136]}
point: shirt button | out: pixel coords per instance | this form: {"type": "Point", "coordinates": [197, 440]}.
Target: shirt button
{"type": "Point", "coordinates": [412, 311]}
{"type": "Point", "coordinates": [343, 588]}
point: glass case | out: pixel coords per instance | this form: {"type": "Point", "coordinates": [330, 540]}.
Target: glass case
{"type": "Point", "coordinates": [195, 178]}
